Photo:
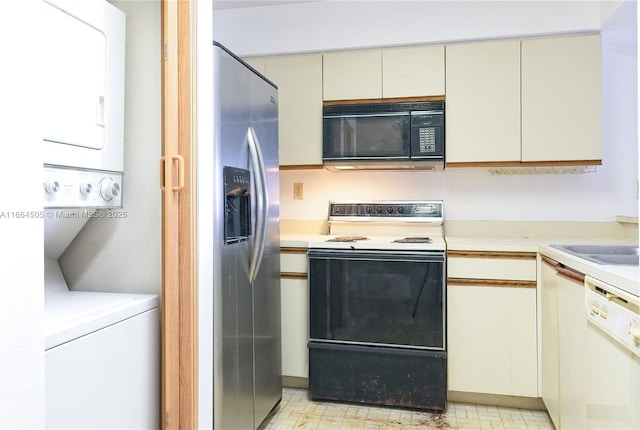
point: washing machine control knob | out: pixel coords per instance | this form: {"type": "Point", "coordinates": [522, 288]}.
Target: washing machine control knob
{"type": "Point", "coordinates": [109, 189]}
{"type": "Point", "coordinates": [86, 188]}
{"type": "Point", "coordinates": [52, 186]}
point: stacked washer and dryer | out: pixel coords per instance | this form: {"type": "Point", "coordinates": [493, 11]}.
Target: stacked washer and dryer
{"type": "Point", "coordinates": [102, 350]}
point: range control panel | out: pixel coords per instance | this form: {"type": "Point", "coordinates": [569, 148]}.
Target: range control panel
{"type": "Point", "coordinates": [614, 311]}
{"type": "Point", "coordinates": [66, 187]}
{"type": "Point", "coordinates": [417, 211]}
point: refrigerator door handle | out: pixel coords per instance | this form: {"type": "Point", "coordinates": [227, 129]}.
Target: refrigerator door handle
{"type": "Point", "coordinates": [262, 197]}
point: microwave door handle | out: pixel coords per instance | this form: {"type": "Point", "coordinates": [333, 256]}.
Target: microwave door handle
{"type": "Point", "coordinates": [262, 197]}
{"type": "Point", "coordinates": [366, 115]}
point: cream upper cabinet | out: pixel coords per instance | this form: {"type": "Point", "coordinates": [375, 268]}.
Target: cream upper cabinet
{"type": "Point", "coordinates": [483, 102]}
{"type": "Point", "coordinates": [352, 75]}
{"type": "Point", "coordinates": [561, 98]}
{"type": "Point", "coordinates": [413, 72]}
{"type": "Point", "coordinates": [299, 81]}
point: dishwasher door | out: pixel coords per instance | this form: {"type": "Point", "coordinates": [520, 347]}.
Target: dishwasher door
{"type": "Point", "coordinates": [613, 357]}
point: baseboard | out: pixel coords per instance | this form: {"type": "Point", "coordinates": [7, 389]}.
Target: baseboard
{"type": "Point", "coordinates": [496, 400]}
{"type": "Point", "coordinates": [295, 382]}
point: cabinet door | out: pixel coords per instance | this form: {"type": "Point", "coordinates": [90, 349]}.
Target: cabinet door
{"type": "Point", "coordinates": [413, 72]}
{"type": "Point", "coordinates": [299, 81]}
{"type": "Point", "coordinates": [352, 75]}
{"type": "Point", "coordinates": [295, 327]}
{"type": "Point", "coordinates": [572, 353]}
{"type": "Point", "coordinates": [549, 341]}
{"type": "Point", "coordinates": [483, 102]}
{"type": "Point", "coordinates": [561, 99]}
{"type": "Point", "coordinates": [492, 340]}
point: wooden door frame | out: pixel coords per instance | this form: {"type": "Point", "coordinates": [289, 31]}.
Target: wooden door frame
{"type": "Point", "coordinates": [179, 293]}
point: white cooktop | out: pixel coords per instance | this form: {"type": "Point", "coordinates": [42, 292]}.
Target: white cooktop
{"type": "Point", "coordinates": [379, 243]}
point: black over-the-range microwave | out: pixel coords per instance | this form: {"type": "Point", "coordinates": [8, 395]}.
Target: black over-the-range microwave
{"type": "Point", "coordinates": [384, 136]}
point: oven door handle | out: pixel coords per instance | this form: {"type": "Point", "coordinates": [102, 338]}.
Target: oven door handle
{"type": "Point", "coordinates": [389, 255]}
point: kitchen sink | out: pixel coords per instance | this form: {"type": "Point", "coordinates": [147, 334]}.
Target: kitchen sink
{"type": "Point", "coordinates": [603, 254]}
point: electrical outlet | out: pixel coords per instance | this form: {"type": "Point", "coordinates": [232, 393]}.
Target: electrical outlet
{"type": "Point", "coordinates": [297, 190]}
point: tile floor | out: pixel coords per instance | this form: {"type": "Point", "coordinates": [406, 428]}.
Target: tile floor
{"type": "Point", "coordinates": [296, 411]}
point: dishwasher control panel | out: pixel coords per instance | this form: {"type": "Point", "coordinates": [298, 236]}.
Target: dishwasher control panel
{"type": "Point", "coordinates": [615, 311]}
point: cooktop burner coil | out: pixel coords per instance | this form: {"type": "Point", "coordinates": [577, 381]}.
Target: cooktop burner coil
{"type": "Point", "coordinates": [414, 240]}
{"type": "Point", "coordinates": [347, 239]}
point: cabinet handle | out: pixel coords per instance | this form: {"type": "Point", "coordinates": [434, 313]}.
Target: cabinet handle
{"type": "Point", "coordinates": [570, 274]}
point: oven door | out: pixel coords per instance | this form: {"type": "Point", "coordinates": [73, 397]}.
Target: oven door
{"type": "Point", "coordinates": [378, 298]}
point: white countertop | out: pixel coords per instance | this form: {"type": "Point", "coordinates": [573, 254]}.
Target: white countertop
{"type": "Point", "coordinates": [625, 277]}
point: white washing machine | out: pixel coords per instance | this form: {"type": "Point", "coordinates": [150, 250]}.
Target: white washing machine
{"type": "Point", "coordinates": [102, 357]}
{"type": "Point", "coordinates": [102, 350]}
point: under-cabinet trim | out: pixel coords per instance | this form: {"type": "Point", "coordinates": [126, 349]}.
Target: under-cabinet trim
{"type": "Point", "coordinates": [524, 163]}
{"type": "Point", "coordinates": [510, 255]}
{"type": "Point", "coordinates": [293, 275]}
{"type": "Point", "coordinates": [501, 283]}
{"type": "Point", "coordinates": [385, 100]}
{"type": "Point", "coordinates": [291, 250]}
{"type": "Point", "coordinates": [293, 167]}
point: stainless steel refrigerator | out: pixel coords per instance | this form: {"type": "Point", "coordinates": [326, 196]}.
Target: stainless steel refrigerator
{"type": "Point", "coordinates": [245, 235]}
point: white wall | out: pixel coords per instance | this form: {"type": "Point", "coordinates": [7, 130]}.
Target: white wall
{"type": "Point", "coordinates": [468, 194]}
{"type": "Point", "coordinates": [125, 255]}
{"type": "Point", "coordinates": [21, 244]}
{"type": "Point", "coordinates": [332, 25]}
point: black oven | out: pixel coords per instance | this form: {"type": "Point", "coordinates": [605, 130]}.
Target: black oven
{"type": "Point", "coordinates": [377, 327]}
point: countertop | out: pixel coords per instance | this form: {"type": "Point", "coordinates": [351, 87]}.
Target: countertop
{"type": "Point", "coordinates": [625, 277]}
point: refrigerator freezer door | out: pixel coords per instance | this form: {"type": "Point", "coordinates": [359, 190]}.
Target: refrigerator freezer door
{"type": "Point", "coordinates": [233, 380]}
{"type": "Point", "coordinates": [247, 351]}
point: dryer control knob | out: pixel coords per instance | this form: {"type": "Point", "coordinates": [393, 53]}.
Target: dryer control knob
{"type": "Point", "coordinates": [86, 188]}
{"type": "Point", "coordinates": [109, 189]}
{"type": "Point", "coordinates": [52, 187]}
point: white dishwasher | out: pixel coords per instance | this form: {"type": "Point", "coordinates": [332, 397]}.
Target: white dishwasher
{"type": "Point", "coordinates": [613, 357]}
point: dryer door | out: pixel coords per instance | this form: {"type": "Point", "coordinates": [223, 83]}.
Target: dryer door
{"type": "Point", "coordinates": [75, 87]}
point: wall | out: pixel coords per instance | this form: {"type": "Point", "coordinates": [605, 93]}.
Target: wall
{"type": "Point", "coordinates": [124, 255]}
{"type": "Point", "coordinates": [333, 25]}
{"type": "Point", "coordinates": [21, 247]}
{"type": "Point", "coordinates": [469, 194]}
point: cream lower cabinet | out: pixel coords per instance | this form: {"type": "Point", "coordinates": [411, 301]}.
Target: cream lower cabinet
{"type": "Point", "coordinates": [299, 81]}
{"type": "Point", "coordinates": [294, 293]}
{"type": "Point", "coordinates": [491, 323]}
{"type": "Point", "coordinates": [565, 368]}
{"type": "Point", "coordinates": [550, 362]}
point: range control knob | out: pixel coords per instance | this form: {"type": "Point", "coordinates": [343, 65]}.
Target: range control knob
{"type": "Point", "coordinates": [109, 189]}
{"type": "Point", "coordinates": [85, 188]}
{"type": "Point", "coordinates": [379, 209]}
{"type": "Point", "coordinates": [52, 187]}
{"type": "Point", "coordinates": [369, 210]}
{"type": "Point", "coordinates": [390, 210]}
{"type": "Point", "coordinates": [400, 209]}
